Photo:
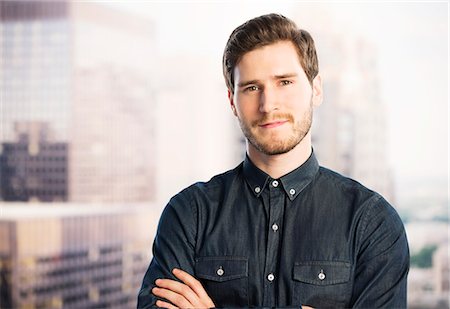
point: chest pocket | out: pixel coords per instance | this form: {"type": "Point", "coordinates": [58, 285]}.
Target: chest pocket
{"type": "Point", "coordinates": [225, 279]}
{"type": "Point", "coordinates": [324, 284]}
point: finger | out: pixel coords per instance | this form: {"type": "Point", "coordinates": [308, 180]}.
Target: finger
{"type": "Point", "coordinates": [194, 284]}
{"type": "Point", "coordinates": [174, 298]}
{"type": "Point", "coordinates": [163, 304]}
{"type": "Point", "coordinates": [179, 288]}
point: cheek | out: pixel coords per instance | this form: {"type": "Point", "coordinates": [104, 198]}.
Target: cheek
{"type": "Point", "coordinates": [297, 99]}
{"type": "Point", "coordinates": [247, 109]}
{"type": "Point", "coordinates": [242, 114]}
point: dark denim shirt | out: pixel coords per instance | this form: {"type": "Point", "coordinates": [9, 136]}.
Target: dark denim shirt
{"type": "Point", "coordinates": [311, 237]}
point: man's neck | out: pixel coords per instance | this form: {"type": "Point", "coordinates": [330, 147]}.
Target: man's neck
{"type": "Point", "coordinates": [277, 166]}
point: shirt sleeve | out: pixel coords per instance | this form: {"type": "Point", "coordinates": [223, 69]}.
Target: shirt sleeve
{"type": "Point", "coordinates": [174, 246]}
{"type": "Point", "coordinates": [382, 263]}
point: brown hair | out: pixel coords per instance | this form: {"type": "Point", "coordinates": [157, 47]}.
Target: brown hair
{"type": "Point", "coordinates": [265, 30]}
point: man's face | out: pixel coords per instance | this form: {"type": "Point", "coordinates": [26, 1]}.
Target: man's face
{"type": "Point", "coordinates": [273, 98]}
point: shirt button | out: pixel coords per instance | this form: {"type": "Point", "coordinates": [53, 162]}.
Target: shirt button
{"type": "Point", "coordinates": [292, 191]}
{"type": "Point", "coordinates": [270, 277]}
{"type": "Point", "coordinates": [321, 275]}
{"type": "Point", "coordinates": [257, 189]}
{"type": "Point", "coordinates": [275, 227]}
{"type": "Point", "coordinates": [220, 271]}
{"type": "Point", "coordinates": [275, 183]}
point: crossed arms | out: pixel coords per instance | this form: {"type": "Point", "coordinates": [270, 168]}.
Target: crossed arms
{"type": "Point", "coordinates": [380, 272]}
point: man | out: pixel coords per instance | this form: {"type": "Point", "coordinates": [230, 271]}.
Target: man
{"type": "Point", "coordinates": [278, 230]}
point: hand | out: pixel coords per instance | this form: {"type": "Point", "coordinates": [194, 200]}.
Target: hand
{"type": "Point", "coordinates": [191, 294]}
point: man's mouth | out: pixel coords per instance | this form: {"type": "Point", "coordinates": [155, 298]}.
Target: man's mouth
{"type": "Point", "coordinates": [273, 124]}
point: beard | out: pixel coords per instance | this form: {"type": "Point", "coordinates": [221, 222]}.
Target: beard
{"type": "Point", "coordinates": [273, 143]}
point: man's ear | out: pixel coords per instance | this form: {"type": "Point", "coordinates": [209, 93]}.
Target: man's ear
{"type": "Point", "coordinates": [230, 98]}
{"type": "Point", "coordinates": [317, 95]}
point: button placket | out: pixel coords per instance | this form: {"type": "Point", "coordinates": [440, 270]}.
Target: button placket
{"type": "Point", "coordinates": [276, 199]}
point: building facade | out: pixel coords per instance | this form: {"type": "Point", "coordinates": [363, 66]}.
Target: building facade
{"type": "Point", "coordinates": [86, 70]}
{"type": "Point", "coordinates": [73, 256]}
{"type": "Point", "coordinates": [33, 168]}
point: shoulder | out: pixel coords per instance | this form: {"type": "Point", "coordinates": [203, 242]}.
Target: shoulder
{"type": "Point", "coordinates": [375, 219]}
{"type": "Point", "coordinates": [344, 188]}
{"type": "Point", "coordinates": [209, 189]}
{"type": "Point", "coordinates": [327, 178]}
{"type": "Point", "coordinates": [185, 206]}
{"type": "Point", "coordinates": [369, 203]}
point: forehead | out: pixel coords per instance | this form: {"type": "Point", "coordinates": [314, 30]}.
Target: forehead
{"type": "Point", "coordinates": [270, 60]}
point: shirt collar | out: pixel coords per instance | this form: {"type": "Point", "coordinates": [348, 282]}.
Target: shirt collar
{"type": "Point", "coordinates": [293, 183]}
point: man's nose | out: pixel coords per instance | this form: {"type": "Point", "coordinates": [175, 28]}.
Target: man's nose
{"type": "Point", "coordinates": [269, 100]}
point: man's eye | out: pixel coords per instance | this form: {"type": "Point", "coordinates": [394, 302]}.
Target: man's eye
{"type": "Point", "coordinates": [251, 88]}
{"type": "Point", "coordinates": [285, 82]}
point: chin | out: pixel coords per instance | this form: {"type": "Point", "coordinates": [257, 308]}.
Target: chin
{"type": "Point", "coordinates": [271, 149]}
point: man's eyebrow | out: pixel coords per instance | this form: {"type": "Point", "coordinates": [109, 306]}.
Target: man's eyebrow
{"type": "Point", "coordinates": [287, 75]}
{"type": "Point", "coordinates": [256, 81]}
{"type": "Point", "coordinates": [246, 83]}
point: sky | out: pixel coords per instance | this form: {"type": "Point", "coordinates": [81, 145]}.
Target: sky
{"type": "Point", "coordinates": [411, 43]}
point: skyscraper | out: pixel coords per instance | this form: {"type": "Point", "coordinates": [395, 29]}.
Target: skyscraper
{"type": "Point", "coordinates": [86, 70]}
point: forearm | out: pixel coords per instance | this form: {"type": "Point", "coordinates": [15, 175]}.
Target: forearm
{"type": "Point", "coordinates": [173, 247]}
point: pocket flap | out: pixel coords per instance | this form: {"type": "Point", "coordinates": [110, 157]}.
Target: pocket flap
{"type": "Point", "coordinates": [322, 272]}
{"type": "Point", "coordinates": [221, 268]}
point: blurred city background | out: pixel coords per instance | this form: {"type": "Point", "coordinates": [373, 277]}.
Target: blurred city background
{"type": "Point", "coordinates": [109, 109]}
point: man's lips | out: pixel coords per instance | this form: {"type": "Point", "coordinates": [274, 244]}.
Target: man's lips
{"type": "Point", "coordinates": [273, 124]}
